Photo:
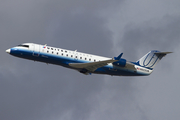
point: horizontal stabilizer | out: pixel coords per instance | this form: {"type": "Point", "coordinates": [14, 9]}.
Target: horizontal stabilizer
{"type": "Point", "coordinates": [163, 53]}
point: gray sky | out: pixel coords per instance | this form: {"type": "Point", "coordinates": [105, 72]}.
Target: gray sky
{"type": "Point", "coordinates": [36, 91]}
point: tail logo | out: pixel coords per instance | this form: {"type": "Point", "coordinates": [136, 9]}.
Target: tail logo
{"type": "Point", "coordinates": [149, 60]}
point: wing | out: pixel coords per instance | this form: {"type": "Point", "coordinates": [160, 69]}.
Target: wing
{"type": "Point", "coordinates": [92, 66]}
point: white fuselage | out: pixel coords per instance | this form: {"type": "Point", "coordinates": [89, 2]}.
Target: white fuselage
{"type": "Point", "coordinates": [67, 58]}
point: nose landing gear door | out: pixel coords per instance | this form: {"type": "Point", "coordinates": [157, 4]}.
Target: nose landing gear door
{"type": "Point", "coordinates": [36, 50]}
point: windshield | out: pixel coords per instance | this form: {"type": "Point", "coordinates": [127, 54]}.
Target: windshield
{"type": "Point", "coordinates": [27, 46]}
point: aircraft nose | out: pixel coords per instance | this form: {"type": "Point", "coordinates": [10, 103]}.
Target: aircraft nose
{"type": "Point", "coordinates": [8, 51]}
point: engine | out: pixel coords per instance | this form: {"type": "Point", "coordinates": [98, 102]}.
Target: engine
{"type": "Point", "coordinates": [121, 63]}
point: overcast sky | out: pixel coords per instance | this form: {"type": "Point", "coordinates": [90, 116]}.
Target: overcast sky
{"type": "Point", "coordinates": [35, 91]}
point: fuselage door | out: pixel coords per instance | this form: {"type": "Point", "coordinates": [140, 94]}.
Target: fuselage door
{"type": "Point", "coordinates": [76, 56]}
{"type": "Point", "coordinates": [36, 50]}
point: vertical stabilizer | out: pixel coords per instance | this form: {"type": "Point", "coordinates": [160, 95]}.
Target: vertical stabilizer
{"type": "Point", "coordinates": [151, 59]}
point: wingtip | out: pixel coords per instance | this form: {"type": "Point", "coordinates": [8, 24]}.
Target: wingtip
{"type": "Point", "coordinates": [119, 57]}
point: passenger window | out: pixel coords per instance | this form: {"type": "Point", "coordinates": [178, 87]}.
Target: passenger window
{"type": "Point", "coordinates": [65, 51]}
{"type": "Point", "coordinates": [52, 52]}
{"type": "Point", "coordinates": [47, 47]}
{"type": "Point", "coordinates": [61, 50]}
{"type": "Point", "coordinates": [80, 57]}
{"type": "Point", "coordinates": [85, 58]}
{"type": "Point", "coordinates": [67, 55]}
{"type": "Point", "coordinates": [57, 53]}
{"type": "Point", "coordinates": [71, 55]}
{"type": "Point", "coordinates": [94, 60]}
{"type": "Point", "coordinates": [76, 56]}
{"type": "Point", "coordinates": [47, 51]}
{"type": "Point", "coordinates": [51, 48]}
{"type": "Point", "coordinates": [89, 59]}
{"type": "Point", "coordinates": [62, 54]}
{"type": "Point", "coordinates": [58, 49]}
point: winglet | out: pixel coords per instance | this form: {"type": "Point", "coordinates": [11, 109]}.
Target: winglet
{"type": "Point", "coordinates": [119, 57]}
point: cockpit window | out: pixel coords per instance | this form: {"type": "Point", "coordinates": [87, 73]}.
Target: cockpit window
{"type": "Point", "coordinates": [24, 46]}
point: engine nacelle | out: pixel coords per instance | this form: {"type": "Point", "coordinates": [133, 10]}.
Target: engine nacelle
{"type": "Point", "coordinates": [121, 62]}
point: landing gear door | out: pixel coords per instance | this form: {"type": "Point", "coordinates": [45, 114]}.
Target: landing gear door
{"type": "Point", "coordinates": [36, 50]}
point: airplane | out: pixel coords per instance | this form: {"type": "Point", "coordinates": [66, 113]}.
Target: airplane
{"type": "Point", "coordinates": [88, 63]}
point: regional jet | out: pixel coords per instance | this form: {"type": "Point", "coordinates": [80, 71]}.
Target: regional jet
{"type": "Point", "coordinates": [88, 63]}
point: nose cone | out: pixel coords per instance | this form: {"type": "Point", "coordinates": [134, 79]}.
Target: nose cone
{"type": "Point", "coordinates": [8, 51]}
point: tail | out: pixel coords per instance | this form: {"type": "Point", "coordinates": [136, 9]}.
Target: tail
{"type": "Point", "coordinates": [151, 59]}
